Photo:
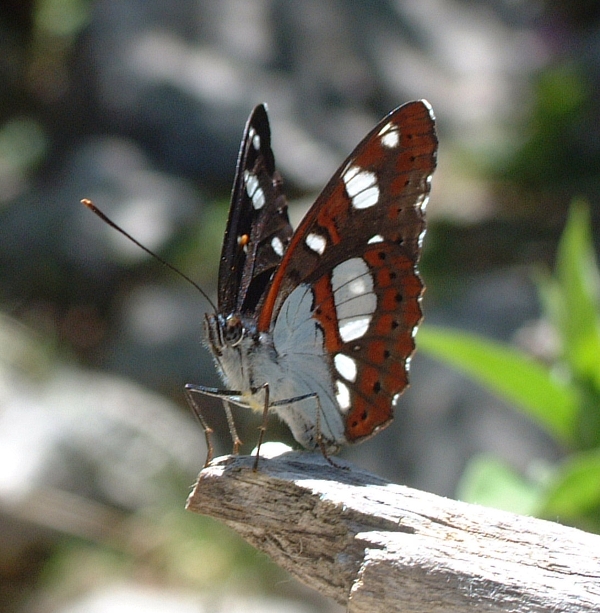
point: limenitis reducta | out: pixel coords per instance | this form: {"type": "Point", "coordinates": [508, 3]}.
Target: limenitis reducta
{"type": "Point", "coordinates": [318, 325]}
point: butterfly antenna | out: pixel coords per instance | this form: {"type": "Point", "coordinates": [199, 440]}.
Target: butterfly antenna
{"type": "Point", "coordinates": [90, 205]}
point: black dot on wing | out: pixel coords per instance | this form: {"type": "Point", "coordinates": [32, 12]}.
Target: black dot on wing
{"type": "Point", "coordinates": [386, 354]}
{"type": "Point", "coordinates": [362, 417]}
{"type": "Point", "coordinates": [376, 387]}
{"type": "Point", "coordinates": [395, 324]}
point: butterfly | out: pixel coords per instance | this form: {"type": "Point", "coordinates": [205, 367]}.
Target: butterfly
{"type": "Point", "coordinates": [318, 324]}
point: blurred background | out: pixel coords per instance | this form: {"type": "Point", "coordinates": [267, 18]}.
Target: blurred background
{"type": "Point", "coordinates": [140, 106]}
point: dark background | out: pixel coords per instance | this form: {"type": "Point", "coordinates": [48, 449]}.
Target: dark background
{"type": "Point", "coordinates": [140, 106]}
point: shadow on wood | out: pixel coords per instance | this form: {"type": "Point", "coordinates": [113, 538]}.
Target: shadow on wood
{"type": "Point", "coordinates": [377, 546]}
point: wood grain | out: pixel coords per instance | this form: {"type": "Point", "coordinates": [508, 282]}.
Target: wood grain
{"type": "Point", "coordinates": [376, 546]}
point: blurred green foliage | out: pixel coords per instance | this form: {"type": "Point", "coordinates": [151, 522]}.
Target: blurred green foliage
{"type": "Point", "coordinates": [553, 143]}
{"type": "Point", "coordinates": [563, 397]}
{"type": "Point", "coordinates": [166, 547]}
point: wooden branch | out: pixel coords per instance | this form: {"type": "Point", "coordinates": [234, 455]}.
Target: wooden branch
{"type": "Point", "coordinates": [376, 546]}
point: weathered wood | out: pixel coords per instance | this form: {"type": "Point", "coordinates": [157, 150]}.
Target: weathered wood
{"type": "Point", "coordinates": [376, 546]}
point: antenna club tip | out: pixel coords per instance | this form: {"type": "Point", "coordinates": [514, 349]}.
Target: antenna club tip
{"type": "Point", "coordinates": [87, 202]}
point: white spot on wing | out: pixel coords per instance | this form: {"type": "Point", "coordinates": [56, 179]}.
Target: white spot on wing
{"type": "Point", "coordinates": [366, 199]}
{"type": "Point", "coordinates": [423, 202]}
{"type": "Point", "coordinates": [354, 299]}
{"type": "Point", "coordinates": [346, 366]}
{"type": "Point", "coordinates": [361, 186]}
{"type": "Point", "coordinates": [350, 173]}
{"type": "Point", "coordinates": [258, 199]}
{"type": "Point", "coordinates": [352, 270]}
{"type": "Point", "coordinates": [316, 242]}
{"type": "Point", "coordinates": [429, 108]}
{"type": "Point", "coordinates": [390, 136]}
{"type": "Point", "coordinates": [277, 245]}
{"type": "Point", "coordinates": [342, 395]}
{"type": "Point", "coordinates": [375, 239]}
{"type": "Point", "coordinates": [353, 328]}
{"type": "Point", "coordinates": [253, 189]}
{"type": "Point", "coordinates": [358, 286]}
{"type": "Point", "coordinates": [254, 138]}
{"type": "Point", "coordinates": [251, 182]}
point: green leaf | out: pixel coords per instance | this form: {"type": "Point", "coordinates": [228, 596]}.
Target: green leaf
{"type": "Point", "coordinates": [509, 373]}
{"type": "Point", "coordinates": [575, 487]}
{"type": "Point", "coordinates": [490, 482]}
{"type": "Point", "coordinates": [577, 297]}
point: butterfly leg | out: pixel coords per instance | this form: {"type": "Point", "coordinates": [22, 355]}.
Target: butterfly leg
{"type": "Point", "coordinates": [225, 396]}
{"type": "Point", "coordinates": [319, 437]}
{"type": "Point", "coordinates": [191, 400]}
{"type": "Point", "coordinates": [320, 440]}
{"type": "Point", "coordinates": [263, 426]}
{"type": "Point", "coordinates": [237, 441]}
{"type": "Point", "coordinates": [268, 405]}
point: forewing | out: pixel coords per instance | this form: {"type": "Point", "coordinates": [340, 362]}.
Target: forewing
{"type": "Point", "coordinates": [358, 249]}
{"type": "Point", "coordinates": [258, 229]}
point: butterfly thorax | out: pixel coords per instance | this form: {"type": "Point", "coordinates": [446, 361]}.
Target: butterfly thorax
{"type": "Point", "coordinates": [291, 359]}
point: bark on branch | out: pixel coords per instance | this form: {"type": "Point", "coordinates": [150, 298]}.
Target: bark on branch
{"type": "Point", "coordinates": [377, 546]}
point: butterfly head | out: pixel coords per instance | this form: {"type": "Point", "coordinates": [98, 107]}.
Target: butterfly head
{"type": "Point", "coordinates": [222, 331]}
{"type": "Point", "coordinates": [233, 339]}
{"type": "Point", "coordinates": [232, 329]}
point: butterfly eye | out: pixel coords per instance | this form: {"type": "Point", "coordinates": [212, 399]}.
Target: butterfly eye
{"type": "Point", "coordinates": [233, 330]}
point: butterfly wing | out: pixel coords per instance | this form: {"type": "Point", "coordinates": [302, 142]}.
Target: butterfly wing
{"type": "Point", "coordinates": [357, 249]}
{"type": "Point", "coordinates": [258, 229]}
